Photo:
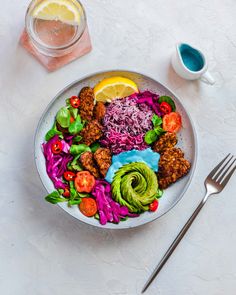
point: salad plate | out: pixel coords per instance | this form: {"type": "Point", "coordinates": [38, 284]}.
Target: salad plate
{"type": "Point", "coordinates": [187, 141]}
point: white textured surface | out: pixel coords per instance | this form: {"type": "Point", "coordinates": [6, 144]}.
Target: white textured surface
{"type": "Point", "coordinates": [44, 251]}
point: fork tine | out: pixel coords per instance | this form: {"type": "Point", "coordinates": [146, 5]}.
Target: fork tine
{"type": "Point", "coordinates": [225, 172]}
{"type": "Point", "coordinates": [213, 172]}
{"type": "Point", "coordinates": [227, 178]}
{"type": "Point", "coordinates": [222, 169]}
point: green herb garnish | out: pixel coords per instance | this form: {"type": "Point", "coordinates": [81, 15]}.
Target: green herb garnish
{"type": "Point", "coordinates": [52, 132]}
{"type": "Point", "coordinates": [55, 198]}
{"type": "Point", "coordinates": [159, 193]}
{"type": "Point", "coordinates": [75, 164]}
{"type": "Point", "coordinates": [77, 138]}
{"type": "Point", "coordinates": [94, 146]}
{"type": "Point", "coordinates": [76, 126]}
{"type": "Point", "coordinates": [75, 199]}
{"type": "Point", "coordinates": [156, 121]}
{"type": "Point", "coordinates": [63, 117]}
{"type": "Point", "coordinates": [96, 216]}
{"type": "Point", "coordinates": [73, 112]}
{"type": "Point", "coordinates": [78, 149]}
{"type": "Point", "coordinates": [152, 135]}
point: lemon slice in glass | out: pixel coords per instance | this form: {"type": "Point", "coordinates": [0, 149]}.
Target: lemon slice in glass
{"type": "Point", "coordinates": [65, 11]}
{"type": "Point", "coordinates": [115, 87]}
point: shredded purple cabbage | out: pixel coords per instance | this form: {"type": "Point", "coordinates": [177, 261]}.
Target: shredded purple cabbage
{"type": "Point", "coordinates": [68, 138]}
{"type": "Point", "coordinates": [56, 165]}
{"type": "Point", "coordinates": [108, 209]}
{"type": "Point", "coordinates": [150, 99]}
{"type": "Point", "coordinates": [125, 123]}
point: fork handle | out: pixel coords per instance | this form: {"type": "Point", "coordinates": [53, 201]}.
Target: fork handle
{"type": "Point", "coordinates": [175, 243]}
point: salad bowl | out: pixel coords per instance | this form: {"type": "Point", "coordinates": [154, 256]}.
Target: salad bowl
{"type": "Point", "coordinates": [187, 141]}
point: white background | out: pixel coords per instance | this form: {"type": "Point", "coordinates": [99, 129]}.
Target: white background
{"type": "Point", "coordinates": [43, 250]}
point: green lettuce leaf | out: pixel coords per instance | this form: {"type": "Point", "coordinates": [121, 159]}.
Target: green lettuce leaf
{"type": "Point", "coordinates": [78, 149]}
{"type": "Point", "coordinates": [76, 126]}
{"type": "Point", "coordinates": [63, 117]}
{"type": "Point", "coordinates": [52, 132]}
{"type": "Point", "coordinates": [55, 198]}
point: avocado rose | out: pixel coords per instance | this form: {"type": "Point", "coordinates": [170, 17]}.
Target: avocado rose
{"type": "Point", "coordinates": [135, 186]}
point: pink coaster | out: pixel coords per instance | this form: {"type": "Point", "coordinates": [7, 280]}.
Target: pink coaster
{"type": "Point", "coordinates": [54, 63]}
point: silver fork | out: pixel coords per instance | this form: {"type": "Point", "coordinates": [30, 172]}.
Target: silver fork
{"type": "Point", "coordinates": [214, 184]}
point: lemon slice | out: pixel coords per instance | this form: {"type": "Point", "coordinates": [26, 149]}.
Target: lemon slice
{"type": "Point", "coordinates": [63, 10]}
{"type": "Point", "coordinates": [115, 87]}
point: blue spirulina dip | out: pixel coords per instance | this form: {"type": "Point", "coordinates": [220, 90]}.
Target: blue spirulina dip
{"type": "Point", "coordinates": [191, 58]}
{"type": "Point", "coordinates": [146, 156]}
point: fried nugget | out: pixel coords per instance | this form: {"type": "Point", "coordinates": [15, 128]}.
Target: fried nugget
{"type": "Point", "coordinates": [99, 111]}
{"type": "Point", "coordinates": [88, 163]}
{"type": "Point", "coordinates": [86, 107]}
{"type": "Point", "coordinates": [172, 166]}
{"type": "Point", "coordinates": [91, 132]}
{"type": "Point", "coordinates": [167, 140]}
{"type": "Point", "coordinates": [103, 158]}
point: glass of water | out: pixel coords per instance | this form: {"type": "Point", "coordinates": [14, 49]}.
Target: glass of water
{"type": "Point", "coordinates": [55, 27]}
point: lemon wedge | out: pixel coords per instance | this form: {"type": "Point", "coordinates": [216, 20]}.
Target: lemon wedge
{"type": "Point", "coordinates": [114, 87]}
{"type": "Point", "coordinates": [64, 10]}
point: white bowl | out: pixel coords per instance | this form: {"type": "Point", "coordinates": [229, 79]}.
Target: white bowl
{"type": "Point", "coordinates": [187, 142]}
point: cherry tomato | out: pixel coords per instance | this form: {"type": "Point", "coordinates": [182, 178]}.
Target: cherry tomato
{"type": "Point", "coordinates": [88, 207]}
{"type": "Point", "coordinates": [74, 101]}
{"type": "Point", "coordinates": [153, 206]}
{"type": "Point", "coordinates": [56, 147]}
{"type": "Point", "coordinates": [69, 175]}
{"type": "Point", "coordinates": [172, 122]}
{"type": "Point", "coordinates": [66, 192]}
{"type": "Point", "coordinates": [84, 182]}
{"type": "Point", "coordinates": [165, 108]}
{"type": "Point", "coordinates": [72, 119]}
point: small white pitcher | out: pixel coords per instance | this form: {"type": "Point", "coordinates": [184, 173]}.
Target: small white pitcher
{"type": "Point", "coordinates": [191, 64]}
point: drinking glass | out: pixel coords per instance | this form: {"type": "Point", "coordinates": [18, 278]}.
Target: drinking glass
{"type": "Point", "coordinates": [50, 34]}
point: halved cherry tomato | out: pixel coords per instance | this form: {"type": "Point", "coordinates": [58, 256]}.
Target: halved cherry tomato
{"type": "Point", "coordinates": [72, 119]}
{"type": "Point", "coordinates": [153, 206]}
{"type": "Point", "coordinates": [165, 108]}
{"type": "Point", "coordinates": [74, 101]}
{"type": "Point", "coordinates": [56, 147]}
{"type": "Point", "coordinates": [66, 192]}
{"type": "Point", "coordinates": [69, 175]}
{"type": "Point", "coordinates": [88, 207]}
{"type": "Point", "coordinates": [172, 122]}
{"type": "Point", "coordinates": [84, 182]}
